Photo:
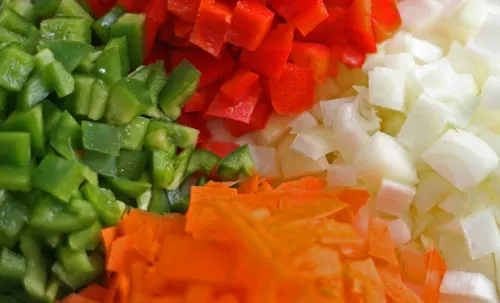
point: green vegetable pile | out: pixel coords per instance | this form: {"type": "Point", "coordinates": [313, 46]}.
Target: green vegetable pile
{"type": "Point", "coordinates": [82, 139]}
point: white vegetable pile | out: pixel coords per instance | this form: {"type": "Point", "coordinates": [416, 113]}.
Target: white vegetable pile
{"type": "Point", "coordinates": [419, 126]}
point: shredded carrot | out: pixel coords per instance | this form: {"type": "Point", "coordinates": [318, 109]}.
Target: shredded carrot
{"type": "Point", "coordinates": [436, 269]}
{"type": "Point", "coordinates": [395, 288]}
{"type": "Point", "coordinates": [250, 186]}
{"type": "Point", "coordinates": [306, 183]}
{"type": "Point", "coordinates": [380, 244]}
{"type": "Point", "coordinates": [94, 292]}
{"type": "Point", "coordinates": [356, 198]}
{"type": "Point", "coordinates": [76, 298]}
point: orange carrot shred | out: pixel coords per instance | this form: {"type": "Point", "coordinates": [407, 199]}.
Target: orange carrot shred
{"type": "Point", "coordinates": [199, 293]}
{"type": "Point", "coordinates": [226, 298]}
{"type": "Point", "coordinates": [306, 183]}
{"type": "Point", "coordinates": [93, 292]}
{"type": "Point", "coordinates": [265, 187]}
{"type": "Point", "coordinates": [250, 186]}
{"type": "Point", "coordinates": [380, 244]}
{"type": "Point", "coordinates": [436, 269]}
{"type": "Point", "coordinates": [357, 198]}
{"type": "Point", "coordinates": [108, 236]}
{"type": "Point", "coordinates": [395, 288]}
{"type": "Point", "coordinates": [76, 298]}
{"type": "Point", "coordinates": [117, 254]}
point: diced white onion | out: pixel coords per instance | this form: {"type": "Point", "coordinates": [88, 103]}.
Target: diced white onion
{"type": "Point", "coordinates": [461, 158]}
{"type": "Point", "coordinates": [437, 78]}
{"type": "Point", "coordinates": [276, 128]}
{"type": "Point", "coordinates": [465, 61]}
{"type": "Point", "coordinates": [481, 231]}
{"type": "Point", "coordinates": [420, 14]}
{"type": "Point", "coordinates": [400, 232]}
{"type": "Point", "coordinates": [394, 198]}
{"type": "Point", "coordinates": [266, 161]}
{"type": "Point", "coordinates": [485, 42]}
{"type": "Point", "coordinates": [490, 97]}
{"type": "Point", "coordinates": [295, 164]}
{"type": "Point", "coordinates": [314, 143]}
{"type": "Point", "coordinates": [302, 123]}
{"type": "Point", "coordinates": [342, 175]}
{"type": "Point", "coordinates": [387, 88]}
{"type": "Point", "coordinates": [246, 139]}
{"type": "Point", "coordinates": [422, 50]}
{"type": "Point", "coordinates": [460, 286]}
{"type": "Point", "coordinates": [372, 61]}
{"type": "Point", "coordinates": [329, 89]}
{"type": "Point", "coordinates": [218, 131]}
{"type": "Point", "coordinates": [403, 62]}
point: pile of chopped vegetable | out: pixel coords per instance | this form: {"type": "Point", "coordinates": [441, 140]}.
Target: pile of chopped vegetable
{"type": "Point", "coordinates": [257, 56]}
{"type": "Point", "coordinates": [418, 127]}
{"type": "Point", "coordinates": [83, 139]}
{"type": "Point", "coordinates": [256, 243]}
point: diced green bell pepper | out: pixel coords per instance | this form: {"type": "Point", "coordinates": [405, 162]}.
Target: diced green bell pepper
{"type": "Point", "coordinates": [159, 202]}
{"type": "Point", "coordinates": [98, 100]}
{"type": "Point", "coordinates": [51, 116]}
{"type": "Point", "coordinates": [46, 8]}
{"type": "Point", "coordinates": [52, 290]}
{"type": "Point", "coordinates": [16, 23]}
{"type": "Point", "coordinates": [107, 67]}
{"type": "Point", "coordinates": [58, 176]}
{"type": "Point", "coordinates": [87, 64]}
{"type": "Point", "coordinates": [18, 151]}
{"type": "Point", "coordinates": [74, 260]}
{"type": "Point", "coordinates": [156, 80]}
{"type": "Point", "coordinates": [102, 26]}
{"type": "Point", "coordinates": [66, 136]}
{"type": "Point", "coordinates": [131, 188]}
{"type": "Point", "coordinates": [179, 88]}
{"type": "Point", "coordinates": [12, 265]}
{"type": "Point", "coordinates": [141, 73]}
{"type": "Point", "coordinates": [7, 36]}
{"type": "Point", "coordinates": [15, 177]}
{"type": "Point", "coordinates": [162, 168]}
{"type": "Point", "coordinates": [180, 135]}
{"type": "Point", "coordinates": [35, 279]}
{"type": "Point", "coordinates": [101, 138]}
{"type": "Point", "coordinates": [128, 99]}
{"type": "Point", "coordinates": [181, 165]}
{"type": "Point", "coordinates": [108, 208]}
{"type": "Point", "coordinates": [69, 53]}
{"type": "Point", "coordinates": [34, 92]}
{"type": "Point", "coordinates": [66, 28]}
{"type": "Point", "coordinates": [121, 44]}
{"type": "Point", "coordinates": [103, 164]}
{"type": "Point", "coordinates": [53, 239]}
{"type": "Point", "coordinates": [239, 162]}
{"type": "Point", "coordinates": [4, 102]}
{"type": "Point", "coordinates": [203, 160]}
{"type": "Point", "coordinates": [15, 67]}
{"type": "Point", "coordinates": [86, 239]}
{"type": "Point", "coordinates": [158, 139]}
{"type": "Point", "coordinates": [133, 133]}
{"type": "Point", "coordinates": [56, 76]}
{"type": "Point", "coordinates": [71, 8]}
{"type": "Point", "coordinates": [79, 101]}
{"type": "Point", "coordinates": [23, 8]}
{"type": "Point", "coordinates": [144, 200]}
{"type": "Point", "coordinates": [30, 121]}
{"type": "Point", "coordinates": [13, 217]}
{"type": "Point", "coordinates": [131, 26]}
{"type": "Point", "coordinates": [202, 181]}
{"type": "Point", "coordinates": [76, 280]}
{"type": "Point", "coordinates": [131, 164]}
{"type": "Point", "coordinates": [43, 58]}
{"type": "Point", "coordinates": [179, 202]}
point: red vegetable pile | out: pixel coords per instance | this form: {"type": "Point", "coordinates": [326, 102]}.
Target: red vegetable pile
{"type": "Point", "coordinates": [257, 56]}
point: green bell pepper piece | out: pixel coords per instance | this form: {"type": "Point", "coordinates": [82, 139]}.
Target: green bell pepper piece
{"type": "Point", "coordinates": [86, 239]}
{"type": "Point", "coordinates": [66, 28]}
{"type": "Point", "coordinates": [103, 164]}
{"type": "Point", "coordinates": [131, 188]}
{"type": "Point", "coordinates": [144, 200]}
{"type": "Point", "coordinates": [58, 176]}
{"type": "Point", "coordinates": [4, 102]}
{"type": "Point", "coordinates": [101, 138]}
{"type": "Point", "coordinates": [203, 160]}
{"type": "Point", "coordinates": [66, 136]}
{"type": "Point", "coordinates": [158, 139]}
{"type": "Point", "coordinates": [16, 23]}
{"type": "Point", "coordinates": [131, 164]}
{"type": "Point", "coordinates": [107, 67]}
{"type": "Point", "coordinates": [238, 162]}
{"type": "Point", "coordinates": [179, 88]}
{"type": "Point", "coordinates": [56, 76]}
{"type": "Point", "coordinates": [76, 280]}
{"type": "Point", "coordinates": [180, 135]}
{"type": "Point", "coordinates": [163, 168]}
{"type": "Point", "coordinates": [35, 279]}
{"type": "Point", "coordinates": [34, 92]}
{"type": "Point", "coordinates": [51, 115]}
{"type": "Point", "coordinates": [52, 216]}
{"type": "Point", "coordinates": [12, 265]}
{"type": "Point", "coordinates": [108, 208]}
{"type": "Point", "coordinates": [159, 202]}
{"type": "Point", "coordinates": [181, 165]}
{"type": "Point", "coordinates": [52, 290]}
{"type": "Point", "coordinates": [156, 80]}
{"type": "Point", "coordinates": [18, 152]}
{"type": "Point", "coordinates": [141, 73]}
{"type": "Point", "coordinates": [102, 26]}
{"type": "Point", "coordinates": [89, 175]}
{"type": "Point", "coordinates": [98, 100]}
{"type": "Point", "coordinates": [23, 8]}
{"type": "Point", "coordinates": [13, 216]}
{"type": "Point", "coordinates": [128, 99]}
{"type": "Point", "coordinates": [133, 133]}
{"type": "Point", "coordinates": [30, 121]}
{"type": "Point", "coordinates": [7, 36]}
{"type": "Point", "coordinates": [179, 202]}
{"type": "Point", "coordinates": [15, 67]}
{"type": "Point", "coordinates": [202, 181]}
{"type": "Point", "coordinates": [15, 177]}
{"type": "Point", "coordinates": [87, 64]}
{"type": "Point", "coordinates": [131, 26]}
{"type": "Point", "coordinates": [53, 239]}
{"type": "Point", "coordinates": [74, 260]}
{"type": "Point", "coordinates": [43, 58]}
{"type": "Point", "coordinates": [79, 101]}
{"type": "Point", "coordinates": [121, 44]}
{"type": "Point", "coordinates": [71, 8]}
{"type": "Point", "coordinates": [69, 53]}
{"type": "Point", "coordinates": [46, 8]}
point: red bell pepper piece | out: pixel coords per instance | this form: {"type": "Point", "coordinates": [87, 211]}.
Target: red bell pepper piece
{"type": "Point", "coordinates": [150, 32]}
{"type": "Point", "coordinates": [332, 30]}
{"type": "Point", "coordinates": [157, 11]}
{"type": "Point", "coordinates": [250, 24]}
{"type": "Point", "coordinates": [360, 29]}
{"type": "Point", "coordinates": [270, 57]}
{"type": "Point", "coordinates": [313, 55]}
{"type": "Point", "coordinates": [308, 20]}
{"type": "Point", "coordinates": [385, 19]}
{"type": "Point", "coordinates": [259, 119]}
{"type": "Point", "coordinates": [352, 57]}
{"type": "Point", "coordinates": [240, 85]}
{"type": "Point", "coordinates": [211, 26]}
{"type": "Point", "coordinates": [100, 8]}
{"type": "Point", "coordinates": [183, 29]}
{"type": "Point", "coordinates": [167, 35]}
{"type": "Point", "coordinates": [184, 9]}
{"type": "Point", "coordinates": [160, 51]}
{"type": "Point", "coordinates": [133, 6]}
{"type": "Point", "coordinates": [344, 3]}
{"type": "Point", "coordinates": [193, 120]}
{"type": "Point", "coordinates": [289, 9]}
{"type": "Point", "coordinates": [293, 91]}
{"type": "Point", "coordinates": [196, 104]}
{"type": "Point", "coordinates": [222, 149]}
{"type": "Point", "coordinates": [212, 69]}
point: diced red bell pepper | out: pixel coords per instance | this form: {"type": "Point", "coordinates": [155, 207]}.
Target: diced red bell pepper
{"type": "Point", "coordinates": [160, 51]}
{"type": "Point", "coordinates": [308, 20]}
{"type": "Point", "coordinates": [293, 91]}
{"type": "Point", "coordinates": [196, 103]}
{"type": "Point", "coordinates": [332, 30]}
{"type": "Point", "coordinates": [157, 10]}
{"type": "Point", "coordinates": [289, 9]}
{"type": "Point", "coordinates": [385, 19]}
{"type": "Point", "coordinates": [151, 30]}
{"type": "Point", "coordinates": [182, 28]}
{"type": "Point", "coordinates": [271, 56]}
{"type": "Point", "coordinates": [313, 55]}
{"type": "Point", "coordinates": [184, 9]}
{"type": "Point", "coordinates": [212, 69]}
{"type": "Point", "coordinates": [250, 24]}
{"type": "Point", "coordinates": [360, 29]}
{"type": "Point", "coordinates": [100, 8]}
{"type": "Point", "coordinates": [240, 84]}
{"type": "Point", "coordinates": [258, 121]}
{"type": "Point", "coordinates": [167, 35]}
{"type": "Point", "coordinates": [193, 120]}
{"type": "Point", "coordinates": [133, 6]}
{"type": "Point", "coordinates": [344, 3]}
{"type": "Point", "coordinates": [352, 57]}
{"type": "Point", "coordinates": [211, 26]}
{"type": "Point", "coordinates": [221, 149]}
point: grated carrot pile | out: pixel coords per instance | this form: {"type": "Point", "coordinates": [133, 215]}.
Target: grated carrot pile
{"type": "Point", "coordinates": [256, 243]}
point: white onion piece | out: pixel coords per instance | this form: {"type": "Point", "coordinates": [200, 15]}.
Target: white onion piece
{"type": "Point", "coordinates": [302, 123]}
{"type": "Point", "coordinates": [460, 286]}
{"type": "Point", "coordinates": [329, 89]}
{"type": "Point", "coordinates": [276, 128]}
{"type": "Point", "coordinates": [451, 204]}
{"type": "Point", "coordinates": [218, 131]}
{"type": "Point", "coordinates": [314, 143]}
{"type": "Point", "coordinates": [496, 257]}
{"type": "Point", "coordinates": [398, 43]}
{"type": "Point", "coordinates": [383, 157]}
{"type": "Point", "coordinates": [465, 61]}
{"type": "Point", "coordinates": [424, 124]}
{"type": "Point", "coordinates": [387, 88]}
{"type": "Point", "coordinates": [481, 231]}
{"type": "Point", "coordinates": [437, 78]}
{"type": "Point", "coordinates": [419, 14]}
{"type": "Point", "coordinates": [342, 175]}
{"type": "Point", "coordinates": [329, 109]}
{"type": "Point", "coordinates": [246, 139]}
{"type": "Point", "coordinates": [461, 158]}
{"type": "Point", "coordinates": [403, 62]}
{"type": "Point", "coordinates": [490, 96]}
{"type": "Point", "coordinates": [295, 164]}
{"type": "Point", "coordinates": [373, 60]}
{"type": "Point", "coordinates": [422, 50]}
{"type": "Point", "coordinates": [394, 198]}
{"type": "Point", "coordinates": [485, 42]}
{"type": "Point", "coordinates": [400, 232]}
{"type": "Point", "coordinates": [266, 161]}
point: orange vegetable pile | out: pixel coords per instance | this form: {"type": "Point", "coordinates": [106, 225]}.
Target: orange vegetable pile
{"type": "Point", "coordinates": [255, 243]}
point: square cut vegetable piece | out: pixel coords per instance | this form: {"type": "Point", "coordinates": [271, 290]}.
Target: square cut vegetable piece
{"type": "Point", "coordinates": [15, 67]}
{"type": "Point", "coordinates": [66, 28]}
{"type": "Point", "coordinates": [16, 148]}
{"type": "Point", "coordinates": [58, 176]}
{"type": "Point", "coordinates": [101, 138]}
